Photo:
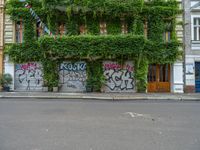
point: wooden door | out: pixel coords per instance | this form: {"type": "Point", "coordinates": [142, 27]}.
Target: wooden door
{"type": "Point", "coordinates": [159, 78]}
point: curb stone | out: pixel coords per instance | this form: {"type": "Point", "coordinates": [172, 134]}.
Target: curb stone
{"type": "Point", "coordinates": [97, 96]}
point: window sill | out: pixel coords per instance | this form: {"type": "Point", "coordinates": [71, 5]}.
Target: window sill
{"type": "Point", "coordinates": [195, 45]}
{"type": "Point", "coordinates": [195, 42]}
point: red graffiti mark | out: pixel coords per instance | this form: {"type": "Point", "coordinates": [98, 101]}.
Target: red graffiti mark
{"type": "Point", "coordinates": [115, 66]}
{"type": "Point", "coordinates": [28, 6]}
{"type": "Point", "coordinates": [29, 66]}
{"type": "Point", "coordinates": [129, 68]}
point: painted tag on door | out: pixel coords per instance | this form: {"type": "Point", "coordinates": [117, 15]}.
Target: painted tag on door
{"type": "Point", "coordinates": [28, 77]}
{"type": "Point", "coordinates": [73, 77]}
{"type": "Point", "coordinates": [119, 78]}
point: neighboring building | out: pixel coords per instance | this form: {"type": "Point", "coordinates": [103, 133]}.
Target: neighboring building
{"type": "Point", "coordinates": [29, 76]}
{"type": "Point", "coordinates": [1, 34]}
{"type": "Point", "coordinates": [192, 45]}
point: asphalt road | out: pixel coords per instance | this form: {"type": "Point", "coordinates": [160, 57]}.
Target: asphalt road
{"type": "Point", "coordinates": [98, 125]}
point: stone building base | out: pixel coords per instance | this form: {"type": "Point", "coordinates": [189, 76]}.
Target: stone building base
{"type": "Point", "coordinates": [189, 89]}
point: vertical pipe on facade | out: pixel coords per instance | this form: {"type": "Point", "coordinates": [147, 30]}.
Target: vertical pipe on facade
{"type": "Point", "coordinates": [2, 24]}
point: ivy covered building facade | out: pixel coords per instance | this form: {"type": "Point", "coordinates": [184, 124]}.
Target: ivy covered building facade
{"type": "Point", "coordinates": [95, 45]}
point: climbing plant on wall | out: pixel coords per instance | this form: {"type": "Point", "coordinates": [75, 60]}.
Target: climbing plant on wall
{"type": "Point", "coordinates": [158, 15]}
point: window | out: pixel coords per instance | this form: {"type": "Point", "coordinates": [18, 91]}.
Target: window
{"type": "Point", "coordinates": [39, 30]}
{"type": "Point", "coordinates": [62, 29]}
{"type": "Point", "coordinates": [124, 27]}
{"type": "Point", "coordinates": [145, 29]}
{"type": "Point", "coordinates": [195, 32]}
{"type": "Point", "coordinates": [19, 31]}
{"type": "Point", "coordinates": [82, 29]}
{"type": "Point", "coordinates": [103, 29]}
{"type": "Point", "coordinates": [196, 29]}
{"type": "Point", "coordinates": [167, 36]}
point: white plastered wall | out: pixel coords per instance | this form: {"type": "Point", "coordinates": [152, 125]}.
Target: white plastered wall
{"type": "Point", "coordinates": [9, 68]}
{"type": "Point", "coordinates": [177, 83]}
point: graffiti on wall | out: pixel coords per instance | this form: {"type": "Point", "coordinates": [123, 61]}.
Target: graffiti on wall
{"type": "Point", "coordinates": [119, 77]}
{"type": "Point", "coordinates": [28, 76]}
{"type": "Point", "coordinates": [73, 76]}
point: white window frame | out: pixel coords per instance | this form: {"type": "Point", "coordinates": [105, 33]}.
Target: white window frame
{"type": "Point", "coordinates": [195, 45]}
{"type": "Point", "coordinates": [192, 26]}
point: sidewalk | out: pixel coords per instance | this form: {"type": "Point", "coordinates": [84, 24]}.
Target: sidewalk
{"type": "Point", "coordinates": [103, 96]}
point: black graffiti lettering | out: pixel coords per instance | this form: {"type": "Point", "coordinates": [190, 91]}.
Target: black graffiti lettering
{"type": "Point", "coordinates": [72, 76]}
{"type": "Point", "coordinates": [119, 79]}
{"type": "Point", "coordinates": [73, 67]}
{"type": "Point", "coordinates": [71, 86]}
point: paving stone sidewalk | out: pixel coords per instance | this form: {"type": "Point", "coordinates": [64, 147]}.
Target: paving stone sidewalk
{"type": "Point", "coordinates": [103, 96]}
